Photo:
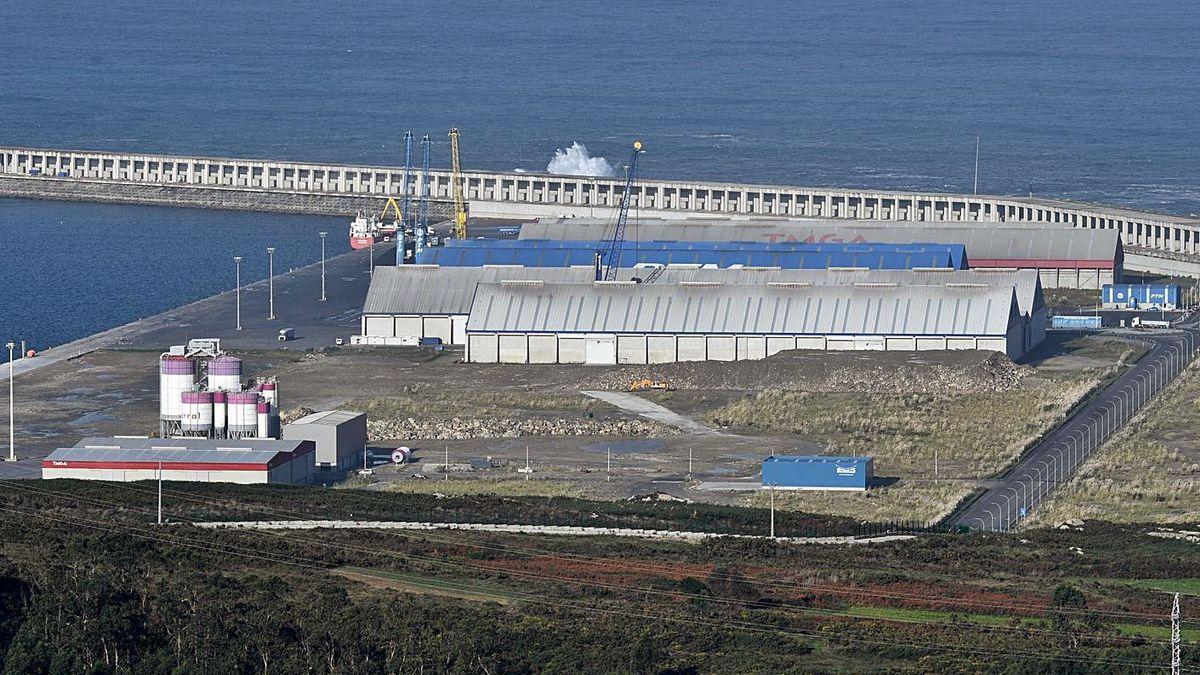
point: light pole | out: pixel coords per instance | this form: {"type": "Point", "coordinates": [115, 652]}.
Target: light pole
{"type": "Point", "coordinates": [237, 262]}
{"type": "Point", "coordinates": [975, 191]}
{"type": "Point", "coordinates": [323, 265]}
{"type": "Point", "coordinates": [271, 280]}
{"type": "Point", "coordinates": [160, 492]}
{"type": "Point", "coordinates": [772, 510]}
{"type": "Point", "coordinates": [12, 428]}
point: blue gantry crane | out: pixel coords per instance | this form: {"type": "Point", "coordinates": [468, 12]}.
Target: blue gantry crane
{"type": "Point", "coordinates": [608, 258]}
{"type": "Point", "coordinates": [408, 139]}
{"type": "Point", "coordinates": [422, 228]}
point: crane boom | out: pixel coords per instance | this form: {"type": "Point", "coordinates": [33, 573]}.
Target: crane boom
{"type": "Point", "coordinates": [609, 259]}
{"type": "Point", "coordinates": [408, 141]}
{"type": "Point", "coordinates": [460, 208]}
{"type": "Point", "coordinates": [424, 207]}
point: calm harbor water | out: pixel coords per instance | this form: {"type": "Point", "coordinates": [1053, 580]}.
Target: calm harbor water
{"type": "Point", "coordinates": [1092, 100]}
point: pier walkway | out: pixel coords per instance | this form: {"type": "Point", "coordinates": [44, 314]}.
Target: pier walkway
{"type": "Point", "coordinates": [307, 187]}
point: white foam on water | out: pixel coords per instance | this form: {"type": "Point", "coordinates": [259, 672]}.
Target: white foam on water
{"type": "Point", "coordinates": [575, 161]}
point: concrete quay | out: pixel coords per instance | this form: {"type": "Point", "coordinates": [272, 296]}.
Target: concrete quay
{"type": "Point", "coordinates": [297, 306]}
{"type": "Point", "coordinates": [525, 195]}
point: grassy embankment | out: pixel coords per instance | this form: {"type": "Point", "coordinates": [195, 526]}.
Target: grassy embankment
{"type": "Point", "coordinates": [1148, 472]}
{"type": "Point", "coordinates": [970, 435]}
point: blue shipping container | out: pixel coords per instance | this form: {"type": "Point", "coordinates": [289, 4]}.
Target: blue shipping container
{"type": "Point", "coordinates": [817, 472]}
{"type": "Point", "coordinates": [1075, 322]}
{"type": "Point", "coordinates": [1145, 296]}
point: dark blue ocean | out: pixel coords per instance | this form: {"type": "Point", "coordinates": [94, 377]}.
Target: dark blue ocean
{"type": "Point", "coordinates": [1095, 100]}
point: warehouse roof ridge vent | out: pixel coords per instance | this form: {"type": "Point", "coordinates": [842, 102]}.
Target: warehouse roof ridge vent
{"type": "Point", "coordinates": [537, 283]}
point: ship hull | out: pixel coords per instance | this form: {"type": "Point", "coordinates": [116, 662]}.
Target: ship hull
{"type": "Point", "coordinates": [359, 243]}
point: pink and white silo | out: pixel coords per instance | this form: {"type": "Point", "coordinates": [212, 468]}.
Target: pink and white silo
{"type": "Point", "coordinates": [225, 374]}
{"type": "Point", "coordinates": [176, 374]}
{"type": "Point", "coordinates": [197, 417]}
{"type": "Point", "coordinates": [220, 400]}
{"type": "Point", "coordinates": [264, 420]}
{"type": "Point", "coordinates": [270, 391]}
{"type": "Point", "coordinates": [242, 417]}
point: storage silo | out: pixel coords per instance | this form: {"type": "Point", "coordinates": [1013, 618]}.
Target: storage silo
{"type": "Point", "coordinates": [220, 400]}
{"type": "Point", "coordinates": [176, 374]}
{"type": "Point", "coordinates": [270, 391]}
{"type": "Point", "coordinates": [197, 414]}
{"type": "Point", "coordinates": [264, 420]}
{"type": "Point", "coordinates": [225, 374]}
{"type": "Point", "coordinates": [242, 417]}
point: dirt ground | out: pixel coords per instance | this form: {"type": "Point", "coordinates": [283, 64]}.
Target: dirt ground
{"type": "Point", "coordinates": [484, 420]}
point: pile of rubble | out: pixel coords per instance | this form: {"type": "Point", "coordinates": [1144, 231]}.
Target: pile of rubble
{"type": "Point", "coordinates": [866, 372]}
{"type": "Point", "coordinates": [461, 428]}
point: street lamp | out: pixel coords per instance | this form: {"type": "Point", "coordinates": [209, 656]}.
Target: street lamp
{"type": "Point", "coordinates": [271, 280]}
{"type": "Point", "coordinates": [237, 262]}
{"type": "Point", "coordinates": [323, 265]}
{"type": "Point", "coordinates": [12, 429]}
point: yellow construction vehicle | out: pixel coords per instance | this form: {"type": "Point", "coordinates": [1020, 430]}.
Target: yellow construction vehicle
{"type": "Point", "coordinates": [460, 207]}
{"type": "Point", "coordinates": [645, 385]}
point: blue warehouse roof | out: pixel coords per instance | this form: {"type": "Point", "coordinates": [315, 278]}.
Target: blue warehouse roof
{"type": "Point", "coordinates": [536, 253]}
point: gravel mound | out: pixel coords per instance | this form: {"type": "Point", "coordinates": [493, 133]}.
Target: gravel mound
{"type": "Point", "coordinates": [867, 372]}
{"type": "Point", "coordinates": [460, 428]}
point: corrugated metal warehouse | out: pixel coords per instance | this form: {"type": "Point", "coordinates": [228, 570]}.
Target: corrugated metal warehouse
{"type": "Point", "coordinates": [340, 437]}
{"type": "Point", "coordinates": [626, 322]}
{"type": "Point", "coordinates": [406, 303]}
{"type": "Point", "coordinates": [1031, 302]}
{"type": "Point", "coordinates": [476, 253]}
{"type": "Point", "coordinates": [1065, 257]}
{"type": "Point", "coordinates": [246, 460]}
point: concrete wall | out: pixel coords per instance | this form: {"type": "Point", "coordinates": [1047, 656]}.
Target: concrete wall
{"type": "Point", "coordinates": [642, 349]}
{"type": "Point", "coordinates": [531, 195]}
{"type": "Point", "coordinates": [450, 328]}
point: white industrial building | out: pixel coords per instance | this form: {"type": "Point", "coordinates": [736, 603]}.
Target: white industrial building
{"type": "Point", "coordinates": [624, 322]}
{"type": "Point", "coordinates": [246, 460]}
{"type": "Point", "coordinates": [1031, 301]}
{"type": "Point", "coordinates": [410, 302]}
{"type": "Point", "coordinates": [406, 303]}
{"type": "Point", "coordinates": [340, 437]}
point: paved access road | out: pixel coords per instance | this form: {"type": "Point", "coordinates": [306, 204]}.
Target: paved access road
{"type": "Point", "coordinates": [650, 410]}
{"type": "Point", "coordinates": [1054, 459]}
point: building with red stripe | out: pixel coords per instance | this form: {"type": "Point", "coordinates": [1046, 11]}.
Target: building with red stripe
{"type": "Point", "coordinates": [1065, 257]}
{"type": "Point", "coordinates": [123, 459]}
